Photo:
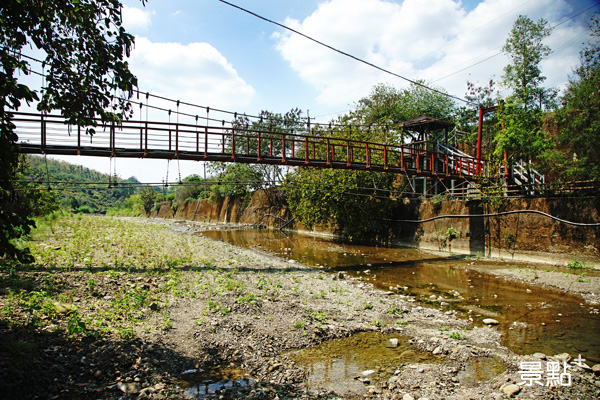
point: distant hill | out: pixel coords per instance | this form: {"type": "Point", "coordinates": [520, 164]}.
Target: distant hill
{"type": "Point", "coordinates": [78, 188]}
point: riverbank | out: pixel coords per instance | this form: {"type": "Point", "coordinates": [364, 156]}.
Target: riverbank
{"type": "Point", "coordinates": [128, 306]}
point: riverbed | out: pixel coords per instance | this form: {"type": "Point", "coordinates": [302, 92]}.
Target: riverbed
{"type": "Point", "coordinates": [532, 318]}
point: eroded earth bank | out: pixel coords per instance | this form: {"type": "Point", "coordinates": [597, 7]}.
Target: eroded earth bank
{"type": "Point", "coordinates": [143, 309]}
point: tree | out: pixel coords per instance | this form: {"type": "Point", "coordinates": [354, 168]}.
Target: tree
{"type": "Point", "coordinates": [84, 46]}
{"type": "Point", "coordinates": [271, 126]}
{"type": "Point", "coordinates": [577, 155]}
{"type": "Point", "coordinates": [355, 202]}
{"type": "Point", "coordinates": [521, 135]}
{"type": "Point", "coordinates": [148, 197]}
{"type": "Point", "coordinates": [235, 179]}
{"type": "Point", "coordinates": [468, 117]}
{"type": "Point", "coordinates": [192, 187]}
{"type": "Point", "coordinates": [526, 51]}
{"type": "Point", "coordinates": [388, 105]}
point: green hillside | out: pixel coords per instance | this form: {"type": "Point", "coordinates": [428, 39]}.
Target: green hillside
{"type": "Point", "coordinates": [77, 188]}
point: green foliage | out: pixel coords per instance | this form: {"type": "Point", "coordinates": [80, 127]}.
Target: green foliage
{"type": "Point", "coordinates": [299, 324]}
{"type": "Point", "coordinates": [354, 202]}
{"type": "Point", "coordinates": [192, 188]}
{"type": "Point", "coordinates": [522, 136]}
{"type": "Point", "coordinates": [235, 179]}
{"type": "Point", "coordinates": [319, 316]}
{"type": "Point", "coordinates": [387, 105]}
{"type": "Point", "coordinates": [467, 118]}
{"type": "Point", "coordinates": [35, 168]}
{"type": "Point", "coordinates": [148, 198]}
{"type": "Point", "coordinates": [509, 239]}
{"type": "Point", "coordinates": [526, 51]}
{"type": "Point", "coordinates": [576, 264]}
{"type": "Point", "coordinates": [520, 116]}
{"type": "Point", "coordinates": [577, 155]}
{"type": "Point", "coordinates": [82, 81]}
{"type": "Point", "coordinates": [457, 336]}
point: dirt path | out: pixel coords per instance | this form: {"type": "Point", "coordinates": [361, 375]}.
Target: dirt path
{"type": "Point", "coordinates": [136, 304]}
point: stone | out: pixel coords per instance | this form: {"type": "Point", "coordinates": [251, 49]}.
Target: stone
{"type": "Point", "coordinates": [490, 321]}
{"type": "Point", "coordinates": [368, 372]}
{"type": "Point", "coordinates": [596, 369]}
{"type": "Point", "coordinates": [541, 356]}
{"type": "Point", "coordinates": [563, 357]}
{"type": "Point", "coordinates": [408, 396]}
{"type": "Point", "coordinates": [129, 388]}
{"type": "Point", "coordinates": [393, 342]}
{"type": "Point", "coordinates": [511, 390]}
{"type": "Point", "coordinates": [437, 350]}
{"type": "Point", "coordinates": [154, 306]}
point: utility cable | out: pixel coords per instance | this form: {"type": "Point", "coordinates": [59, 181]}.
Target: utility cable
{"type": "Point", "coordinates": [346, 54]}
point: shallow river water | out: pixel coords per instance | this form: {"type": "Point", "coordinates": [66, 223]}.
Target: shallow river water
{"type": "Point", "coordinates": [533, 319]}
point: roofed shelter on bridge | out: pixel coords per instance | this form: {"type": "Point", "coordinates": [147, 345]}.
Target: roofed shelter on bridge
{"type": "Point", "coordinates": [424, 125]}
{"type": "Point", "coordinates": [421, 130]}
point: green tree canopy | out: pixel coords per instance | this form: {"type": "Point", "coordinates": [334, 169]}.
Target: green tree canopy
{"type": "Point", "coordinates": [354, 202]}
{"type": "Point", "coordinates": [521, 136]}
{"type": "Point", "coordinates": [85, 46]}
{"type": "Point", "coordinates": [577, 155]}
{"type": "Point", "coordinates": [388, 105]}
{"type": "Point", "coordinates": [526, 50]}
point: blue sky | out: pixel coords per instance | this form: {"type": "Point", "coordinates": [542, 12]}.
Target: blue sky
{"type": "Point", "coordinates": [208, 53]}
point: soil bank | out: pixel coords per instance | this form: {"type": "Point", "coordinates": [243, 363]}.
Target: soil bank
{"type": "Point", "coordinates": [519, 237]}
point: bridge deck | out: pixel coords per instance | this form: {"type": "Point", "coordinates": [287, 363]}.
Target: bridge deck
{"type": "Point", "coordinates": [49, 134]}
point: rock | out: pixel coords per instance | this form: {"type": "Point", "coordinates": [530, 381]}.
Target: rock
{"type": "Point", "coordinates": [541, 356]}
{"type": "Point", "coordinates": [129, 388]}
{"type": "Point", "coordinates": [490, 321]}
{"type": "Point", "coordinates": [437, 350]}
{"type": "Point", "coordinates": [596, 369]}
{"type": "Point", "coordinates": [62, 308]}
{"type": "Point", "coordinates": [368, 372]}
{"type": "Point", "coordinates": [564, 357]}
{"type": "Point", "coordinates": [340, 275]}
{"type": "Point", "coordinates": [408, 396]}
{"type": "Point", "coordinates": [154, 306]}
{"type": "Point", "coordinates": [511, 390]}
{"type": "Point", "coordinates": [393, 342]}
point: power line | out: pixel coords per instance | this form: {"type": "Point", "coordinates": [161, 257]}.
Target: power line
{"type": "Point", "coordinates": [347, 54]}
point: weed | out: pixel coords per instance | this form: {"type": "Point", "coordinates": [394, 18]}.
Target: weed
{"type": "Point", "coordinates": [367, 306]}
{"type": "Point", "coordinates": [576, 264]}
{"type": "Point", "coordinates": [319, 316]}
{"type": "Point", "coordinates": [377, 323]}
{"type": "Point", "coordinates": [456, 335]}
{"type": "Point", "coordinates": [299, 324]}
{"type": "Point", "coordinates": [247, 298]}
{"type": "Point", "coordinates": [395, 310]}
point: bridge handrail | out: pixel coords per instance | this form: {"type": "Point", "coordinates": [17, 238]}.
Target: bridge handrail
{"type": "Point", "coordinates": [225, 137]}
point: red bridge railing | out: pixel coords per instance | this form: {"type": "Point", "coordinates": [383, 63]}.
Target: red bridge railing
{"type": "Point", "coordinates": [49, 134]}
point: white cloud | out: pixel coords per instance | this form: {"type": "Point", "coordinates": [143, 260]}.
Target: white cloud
{"type": "Point", "coordinates": [429, 39]}
{"type": "Point", "coordinates": [135, 19]}
{"type": "Point", "coordinates": [195, 73]}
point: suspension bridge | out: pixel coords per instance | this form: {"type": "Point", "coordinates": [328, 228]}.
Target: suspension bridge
{"type": "Point", "coordinates": [50, 134]}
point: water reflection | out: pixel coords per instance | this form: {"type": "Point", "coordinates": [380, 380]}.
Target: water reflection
{"type": "Point", "coordinates": [200, 384]}
{"type": "Point", "coordinates": [532, 319]}
{"type": "Point", "coordinates": [346, 365]}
